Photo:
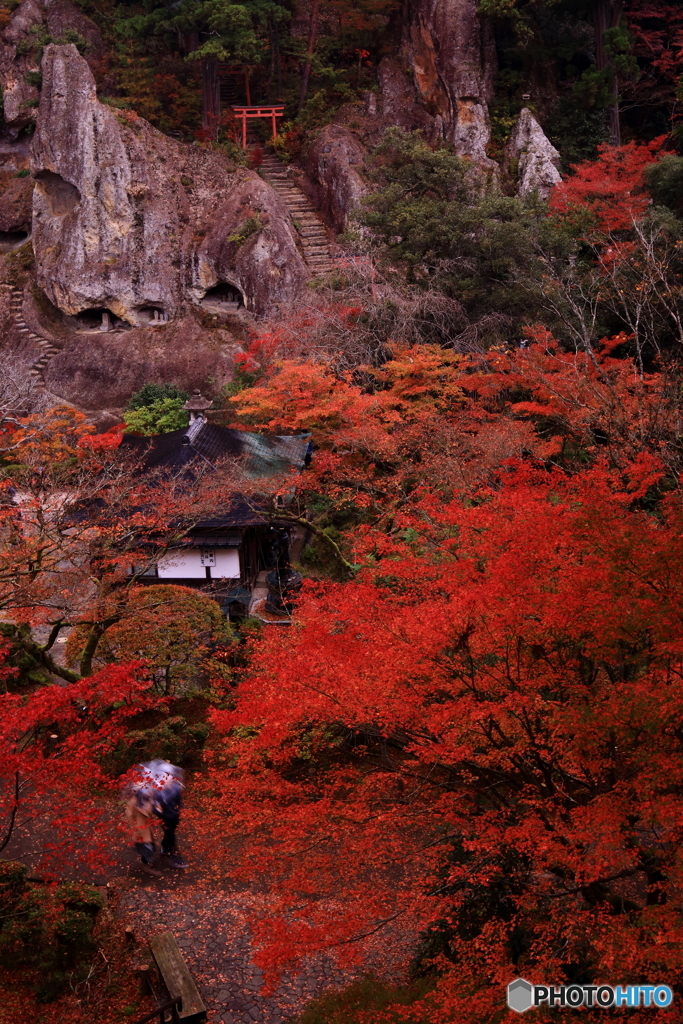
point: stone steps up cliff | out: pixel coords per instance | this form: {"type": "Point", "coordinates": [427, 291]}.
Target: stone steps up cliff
{"type": "Point", "coordinates": [47, 346]}
{"type": "Point", "coordinates": [310, 228]}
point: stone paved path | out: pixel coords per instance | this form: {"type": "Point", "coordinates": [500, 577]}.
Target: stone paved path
{"type": "Point", "coordinates": [208, 916]}
{"type": "Point", "coordinates": [211, 930]}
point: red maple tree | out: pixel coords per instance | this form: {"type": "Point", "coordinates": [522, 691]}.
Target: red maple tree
{"type": "Point", "coordinates": [480, 733]}
{"type": "Point", "coordinates": [611, 188]}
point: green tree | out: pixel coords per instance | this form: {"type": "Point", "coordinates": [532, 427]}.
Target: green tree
{"type": "Point", "coordinates": [432, 221]}
{"type": "Point", "coordinates": [156, 409]}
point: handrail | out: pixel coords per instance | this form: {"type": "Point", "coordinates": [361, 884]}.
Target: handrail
{"type": "Point", "coordinates": [174, 1004]}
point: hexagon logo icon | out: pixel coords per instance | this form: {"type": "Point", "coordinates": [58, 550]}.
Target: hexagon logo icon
{"type": "Point", "coordinates": [520, 995]}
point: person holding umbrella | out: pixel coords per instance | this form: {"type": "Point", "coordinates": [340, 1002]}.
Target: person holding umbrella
{"type": "Point", "coordinates": [156, 793]}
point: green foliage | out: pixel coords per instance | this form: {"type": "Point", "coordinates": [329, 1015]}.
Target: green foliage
{"type": "Point", "coordinates": [447, 235]}
{"type": "Point", "coordinates": [19, 261]}
{"type": "Point", "coordinates": [47, 930]}
{"type": "Point", "coordinates": [24, 173]}
{"type": "Point", "coordinates": [519, 15]}
{"type": "Point", "coordinates": [576, 130]}
{"type": "Point", "coordinates": [151, 393]}
{"type": "Point", "coordinates": [35, 78]}
{"type": "Point", "coordinates": [156, 409]}
{"type": "Point", "coordinates": [157, 84]}
{"type": "Point", "coordinates": [353, 1004]}
{"type": "Point", "coordinates": [233, 32]}
{"type": "Point", "coordinates": [38, 38]}
{"type": "Point", "coordinates": [242, 379]}
{"type": "Point", "coordinates": [596, 86]}
{"type": "Point", "coordinates": [677, 133]}
{"type": "Point", "coordinates": [161, 417]}
{"type": "Point", "coordinates": [665, 181]}
{"type": "Point", "coordinates": [408, 166]}
{"type": "Point", "coordinates": [29, 672]}
{"type": "Point", "coordinates": [173, 740]}
{"type": "Point", "coordinates": [248, 228]}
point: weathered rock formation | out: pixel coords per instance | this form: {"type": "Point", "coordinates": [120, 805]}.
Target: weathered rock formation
{"type": "Point", "coordinates": [126, 219]}
{"type": "Point", "coordinates": [536, 158]}
{"type": "Point", "coordinates": [398, 97]}
{"type": "Point", "coordinates": [16, 205]}
{"type": "Point", "coordinates": [451, 52]}
{"type": "Point", "coordinates": [21, 42]}
{"type": "Point", "coordinates": [334, 162]}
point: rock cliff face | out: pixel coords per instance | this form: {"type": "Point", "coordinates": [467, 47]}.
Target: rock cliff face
{"type": "Point", "coordinates": [536, 157]}
{"type": "Point", "coordinates": [128, 220]}
{"type": "Point", "coordinates": [334, 163]}
{"type": "Point", "coordinates": [452, 53]}
{"type": "Point", "coordinates": [20, 42]}
{"type": "Point", "coordinates": [398, 98]}
{"type": "Point", "coordinates": [16, 205]}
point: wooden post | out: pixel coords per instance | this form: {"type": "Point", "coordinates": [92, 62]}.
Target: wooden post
{"type": "Point", "coordinates": [244, 129]}
{"type": "Point", "coordinates": [274, 126]}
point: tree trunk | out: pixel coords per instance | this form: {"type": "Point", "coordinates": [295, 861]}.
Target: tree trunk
{"type": "Point", "coordinates": [607, 14]}
{"type": "Point", "coordinates": [271, 46]}
{"type": "Point", "coordinates": [278, 61]}
{"type": "Point", "coordinates": [312, 36]}
{"type": "Point", "coordinates": [211, 95]}
{"type": "Point", "coordinates": [97, 631]}
{"type": "Point", "coordinates": [44, 658]}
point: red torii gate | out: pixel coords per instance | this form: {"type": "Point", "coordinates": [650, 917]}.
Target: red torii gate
{"type": "Point", "coordinates": [265, 110]}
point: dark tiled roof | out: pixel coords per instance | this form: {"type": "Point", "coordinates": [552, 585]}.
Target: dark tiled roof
{"type": "Point", "coordinates": [237, 512]}
{"type": "Point", "coordinates": [198, 539]}
{"type": "Point", "coordinates": [259, 456]}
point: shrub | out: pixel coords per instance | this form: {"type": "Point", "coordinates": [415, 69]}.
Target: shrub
{"type": "Point", "coordinates": [665, 181]}
{"type": "Point", "coordinates": [151, 393]}
{"type": "Point", "coordinates": [352, 1005]}
{"type": "Point", "coordinates": [156, 409]}
{"type": "Point", "coordinates": [161, 417]}
{"type": "Point", "coordinates": [47, 930]}
{"type": "Point", "coordinates": [173, 740]}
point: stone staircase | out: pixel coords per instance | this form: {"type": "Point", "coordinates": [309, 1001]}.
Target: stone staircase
{"type": "Point", "coordinates": [48, 348]}
{"type": "Point", "coordinates": [311, 229]}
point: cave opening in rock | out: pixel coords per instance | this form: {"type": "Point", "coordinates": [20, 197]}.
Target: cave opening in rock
{"type": "Point", "coordinates": [10, 240]}
{"type": "Point", "coordinates": [151, 316]}
{"type": "Point", "coordinates": [99, 319]}
{"type": "Point", "coordinates": [62, 196]}
{"type": "Point", "coordinates": [223, 297]}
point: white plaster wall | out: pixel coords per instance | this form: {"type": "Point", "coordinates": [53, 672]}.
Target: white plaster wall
{"type": "Point", "coordinates": [227, 564]}
{"type": "Point", "coordinates": [181, 565]}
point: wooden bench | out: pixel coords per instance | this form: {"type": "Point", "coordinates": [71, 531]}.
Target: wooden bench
{"type": "Point", "coordinates": [177, 978]}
